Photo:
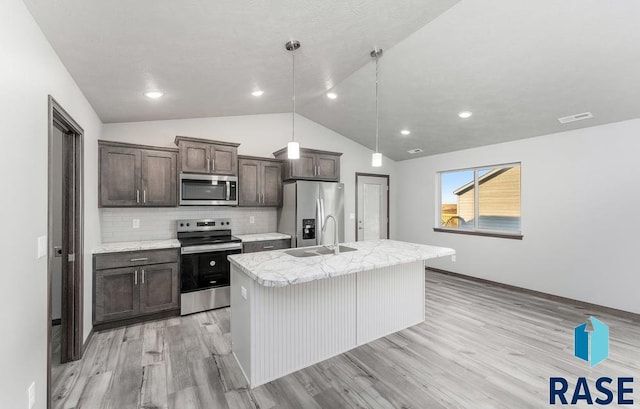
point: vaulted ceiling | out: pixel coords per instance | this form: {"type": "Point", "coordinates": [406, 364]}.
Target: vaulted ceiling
{"type": "Point", "coordinates": [518, 65]}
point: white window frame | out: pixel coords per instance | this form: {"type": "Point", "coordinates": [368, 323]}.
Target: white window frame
{"type": "Point", "coordinates": [476, 204]}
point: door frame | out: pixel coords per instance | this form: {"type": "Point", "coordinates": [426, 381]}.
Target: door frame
{"type": "Point", "coordinates": [73, 292]}
{"type": "Point", "coordinates": [358, 174]}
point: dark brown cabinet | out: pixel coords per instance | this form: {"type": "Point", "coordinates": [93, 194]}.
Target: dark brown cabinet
{"type": "Point", "coordinates": [136, 175]}
{"type": "Point", "coordinates": [265, 245]}
{"type": "Point", "coordinates": [312, 165]}
{"type": "Point", "coordinates": [259, 181]}
{"type": "Point", "coordinates": [205, 156]}
{"type": "Point", "coordinates": [131, 286]}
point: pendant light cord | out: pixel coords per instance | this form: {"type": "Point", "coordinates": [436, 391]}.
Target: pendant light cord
{"type": "Point", "coordinates": [293, 116]}
{"type": "Point", "coordinates": [377, 111]}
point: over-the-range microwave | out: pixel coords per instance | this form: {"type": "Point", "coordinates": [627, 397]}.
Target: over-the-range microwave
{"type": "Point", "coordinates": [208, 190]}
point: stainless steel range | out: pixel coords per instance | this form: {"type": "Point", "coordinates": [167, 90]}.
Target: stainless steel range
{"type": "Point", "coordinates": [204, 268]}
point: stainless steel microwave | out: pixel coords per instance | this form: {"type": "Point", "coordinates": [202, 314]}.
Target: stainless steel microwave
{"type": "Point", "coordinates": [208, 190]}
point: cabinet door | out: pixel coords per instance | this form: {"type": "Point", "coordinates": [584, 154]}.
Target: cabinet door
{"type": "Point", "coordinates": [159, 287]}
{"type": "Point", "coordinates": [249, 182]}
{"type": "Point", "coordinates": [328, 167]}
{"type": "Point", "coordinates": [119, 176]}
{"type": "Point", "coordinates": [195, 157]}
{"type": "Point", "coordinates": [271, 183]}
{"type": "Point", "coordinates": [304, 167]}
{"type": "Point", "coordinates": [116, 294]}
{"type": "Point", "coordinates": [224, 160]}
{"type": "Point", "coordinates": [159, 176]}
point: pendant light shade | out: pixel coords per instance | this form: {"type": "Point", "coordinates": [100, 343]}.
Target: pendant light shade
{"type": "Point", "coordinates": [293, 147]}
{"type": "Point", "coordinates": [293, 150]}
{"type": "Point", "coordinates": [376, 158]}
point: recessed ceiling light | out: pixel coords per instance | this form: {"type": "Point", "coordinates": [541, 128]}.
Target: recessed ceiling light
{"type": "Point", "coordinates": [257, 93]}
{"type": "Point", "coordinates": [332, 95]}
{"type": "Point", "coordinates": [405, 132]}
{"type": "Point", "coordinates": [414, 151]}
{"type": "Point", "coordinates": [153, 94]}
{"type": "Point", "coordinates": [465, 114]}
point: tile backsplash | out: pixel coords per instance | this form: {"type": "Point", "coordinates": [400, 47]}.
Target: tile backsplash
{"type": "Point", "coordinates": [160, 223]}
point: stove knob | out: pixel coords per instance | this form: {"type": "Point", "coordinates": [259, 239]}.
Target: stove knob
{"type": "Point", "coordinates": [181, 224]}
{"type": "Point", "coordinates": [212, 263]}
{"type": "Point", "coordinates": [188, 224]}
{"type": "Point", "coordinates": [227, 223]}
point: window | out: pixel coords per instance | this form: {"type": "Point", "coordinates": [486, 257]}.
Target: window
{"type": "Point", "coordinates": [484, 200]}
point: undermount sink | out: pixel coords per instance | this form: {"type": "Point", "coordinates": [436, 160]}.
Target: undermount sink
{"type": "Point", "coordinates": [316, 251]}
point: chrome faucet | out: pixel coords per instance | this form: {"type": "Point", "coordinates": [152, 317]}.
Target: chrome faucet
{"type": "Point", "coordinates": [336, 246]}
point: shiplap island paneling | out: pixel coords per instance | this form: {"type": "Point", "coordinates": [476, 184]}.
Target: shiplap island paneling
{"type": "Point", "coordinates": [289, 313]}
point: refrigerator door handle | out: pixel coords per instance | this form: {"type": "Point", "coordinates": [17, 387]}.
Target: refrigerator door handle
{"type": "Point", "coordinates": [318, 222]}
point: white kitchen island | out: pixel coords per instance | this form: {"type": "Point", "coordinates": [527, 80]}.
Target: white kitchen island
{"type": "Point", "coordinates": [291, 312]}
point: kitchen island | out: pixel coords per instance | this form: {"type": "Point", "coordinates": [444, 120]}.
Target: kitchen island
{"type": "Point", "coordinates": [294, 308]}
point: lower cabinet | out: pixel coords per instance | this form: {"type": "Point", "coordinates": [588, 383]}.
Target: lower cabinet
{"type": "Point", "coordinates": [131, 286]}
{"type": "Point", "coordinates": [265, 245]}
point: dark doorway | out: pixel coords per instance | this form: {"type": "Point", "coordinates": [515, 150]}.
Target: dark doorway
{"type": "Point", "coordinates": [65, 236]}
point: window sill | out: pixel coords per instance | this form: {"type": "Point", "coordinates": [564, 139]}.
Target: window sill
{"type": "Point", "coordinates": [480, 233]}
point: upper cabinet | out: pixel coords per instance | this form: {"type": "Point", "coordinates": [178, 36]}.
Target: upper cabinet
{"type": "Point", "coordinates": [312, 165]}
{"type": "Point", "coordinates": [206, 156]}
{"type": "Point", "coordinates": [136, 175]}
{"type": "Point", "coordinates": [259, 181]}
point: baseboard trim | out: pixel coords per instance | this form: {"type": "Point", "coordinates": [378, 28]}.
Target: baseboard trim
{"type": "Point", "coordinates": [582, 304]}
{"type": "Point", "coordinates": [86, 343]}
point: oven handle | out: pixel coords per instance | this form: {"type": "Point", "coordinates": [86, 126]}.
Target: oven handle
{"type": "Point", "coordinates": [210, 248]}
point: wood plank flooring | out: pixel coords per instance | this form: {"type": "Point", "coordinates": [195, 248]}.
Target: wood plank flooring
{"type": "Point", "coordinates": [482, 346]}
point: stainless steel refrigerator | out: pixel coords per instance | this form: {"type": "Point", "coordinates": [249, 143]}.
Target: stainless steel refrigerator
{"type": "Point", "coordinates": [305, 206]}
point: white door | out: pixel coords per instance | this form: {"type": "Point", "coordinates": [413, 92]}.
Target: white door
{"type": "Point", "coordinates": [373, 204]}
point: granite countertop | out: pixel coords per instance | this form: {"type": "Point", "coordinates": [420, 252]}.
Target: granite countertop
{"type": "Point", "coordinates": [246, 238]}
{"type": "Point", "coordinates": [278, 269]}
{"type": "Point", "coordinates": [121, 246]}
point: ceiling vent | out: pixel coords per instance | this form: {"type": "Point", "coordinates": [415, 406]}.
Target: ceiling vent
{"type": "Point", "coordinates": [576, 117]}
{"type": "Point", "coordinates": [415, 150]}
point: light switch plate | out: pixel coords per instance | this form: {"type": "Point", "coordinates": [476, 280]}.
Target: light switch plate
{"type": "Point", "coordinates": [453, 258]}
{"type": "Point", "coordinates": [135, 223]}
{"type": "Point", "coordinates": [252, 219]}
{"type": "Point", "coordinates": [32, 395]}
{"type": "Point", "coordinates": [352, 216]}
{"type": "Point", "coordinates": [243, 291]}
{"type": "Point", "coordinates": [42, 246]}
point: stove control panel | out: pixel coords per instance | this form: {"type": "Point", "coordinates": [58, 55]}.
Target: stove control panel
{"type": "Point", "coordinates": [203, 224]}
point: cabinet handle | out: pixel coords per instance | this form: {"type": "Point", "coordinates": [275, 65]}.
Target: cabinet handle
{"type": "Point", "coordinates": [213, 165]}
{"type": "Point", "coordinates": [133, 260]}
{"type": "Point", "coordinates": [143, 276]}
{"type": "Point", "coordinates": [144, 196]}
{"type": "Point", "coordinates": [262, 197]}
{"type": "Point", "coordinates": [137, 195]}
{"type": "Point", "coordinates": [208, 165]}
{"type": "Point", "coordinates": [135, 277]}
{"type": "Point", "coordinates": [268, 247]}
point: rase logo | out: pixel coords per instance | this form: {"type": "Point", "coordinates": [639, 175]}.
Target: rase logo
{"type": "Point", "coordinates": [591, 344]}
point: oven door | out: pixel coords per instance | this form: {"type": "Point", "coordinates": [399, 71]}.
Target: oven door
{"type": "Point", "coordinates": [207, 190]}
{"type": "Point", "coordinates": [202, 267]}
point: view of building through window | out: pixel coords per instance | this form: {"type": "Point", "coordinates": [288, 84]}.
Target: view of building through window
{"type": "Point", "coordinates": [495, 206]}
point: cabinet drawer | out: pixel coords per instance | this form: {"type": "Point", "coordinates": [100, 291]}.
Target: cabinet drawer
{"type": "Point", "coordinates": [136, 258]}
{"type": "Point", "coordinates": [266, 245]}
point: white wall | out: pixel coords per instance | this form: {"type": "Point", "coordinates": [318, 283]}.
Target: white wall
{"type": "Point", "coordinates": [580, 202]}
{"type": "Point", "coordinates": [29, 71]}
{"type": "Point", "coordinates": [261, 135]}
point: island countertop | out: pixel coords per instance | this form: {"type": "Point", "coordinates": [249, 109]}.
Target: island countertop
{"type": "Point", "coordinates": [278, 269]}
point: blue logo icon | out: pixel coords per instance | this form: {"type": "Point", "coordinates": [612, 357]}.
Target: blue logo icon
{"type": "Point", "coordinates": [591, 341]}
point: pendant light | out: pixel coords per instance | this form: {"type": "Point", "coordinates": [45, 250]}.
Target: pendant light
{"type": "Point", "coordinates": [293, 147]}
{"type": "Point", "coordinates": [376, 158]}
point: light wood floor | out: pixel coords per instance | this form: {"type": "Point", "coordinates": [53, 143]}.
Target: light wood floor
{"type": "Point", "coordinates": [481, 346]}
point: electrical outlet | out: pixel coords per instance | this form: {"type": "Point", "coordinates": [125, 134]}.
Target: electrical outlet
{"type": "Point", "coordinates": [135, 223]}
{"type": "Point", "coordinates": [352, 216]}
{"type": "Point", "coordinates": [453, 258]}
{"type": "Point", "coordinates": [32, 395]}
{"type": "Point", "coordinates": [42, 246]}
{"type": "Point", "coordinates": [252, 219]}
